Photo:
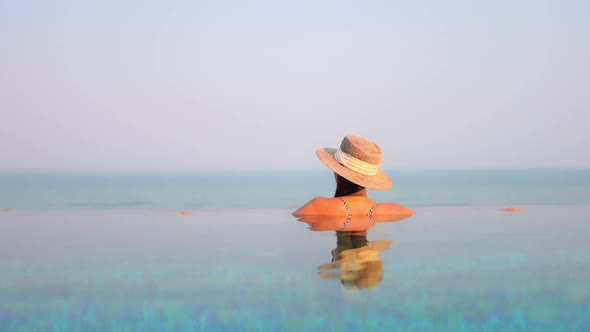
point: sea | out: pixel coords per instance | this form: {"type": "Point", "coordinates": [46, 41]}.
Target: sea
{"type": "Point", "coordinates": [220, 251]}
{"type": "Point", "coordinates": [259, 190]}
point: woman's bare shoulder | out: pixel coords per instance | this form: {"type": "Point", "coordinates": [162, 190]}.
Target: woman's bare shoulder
{"type": "Point", "coordinates": [391, 212]}
{"type": "Point", "coordinates": [320, 206]}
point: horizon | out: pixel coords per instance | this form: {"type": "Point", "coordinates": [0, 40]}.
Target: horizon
{"type": "Point", "coordinates": [314, 170]}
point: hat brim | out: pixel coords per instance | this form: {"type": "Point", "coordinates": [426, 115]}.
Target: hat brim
{"type": "Point", "coordinates": [379, 181]}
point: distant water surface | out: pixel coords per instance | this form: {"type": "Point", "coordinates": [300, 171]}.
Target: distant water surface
{"type": "Point", "coordinates": [191, 190]}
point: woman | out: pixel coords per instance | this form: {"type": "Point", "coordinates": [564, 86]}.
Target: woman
{"type": "Point", "coordinates": [356, 167]}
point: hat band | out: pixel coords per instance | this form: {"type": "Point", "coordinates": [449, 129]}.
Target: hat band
{"type": "Point", "coordinates": [355, 164]}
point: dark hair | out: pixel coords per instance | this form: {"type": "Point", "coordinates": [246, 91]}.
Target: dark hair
{"type": "Point", "coordinates": [345, 187]}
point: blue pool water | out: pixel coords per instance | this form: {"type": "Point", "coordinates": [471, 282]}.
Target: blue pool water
{"type": "Point", "coordinates": [74, 256]}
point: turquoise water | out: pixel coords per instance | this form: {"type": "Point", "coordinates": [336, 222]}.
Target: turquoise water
{"type": "Point", "coordinates": [447, 269]}
{"type": "Point", "coordinates": [96, 252]}
{"type": "Point", "coordinates": [285, 189]}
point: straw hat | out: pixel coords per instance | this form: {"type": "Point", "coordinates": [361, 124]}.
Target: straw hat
{"type": "Point", "coordinates": [357, 160]}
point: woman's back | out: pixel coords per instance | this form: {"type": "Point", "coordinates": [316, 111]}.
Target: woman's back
{"type": "Point", "coordinates": [353, 206]}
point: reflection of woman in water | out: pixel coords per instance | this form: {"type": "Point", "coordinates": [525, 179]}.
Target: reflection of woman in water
{"type": "Point", "coordinates": [356, 167]}
{"type": "Point", "coordinates": [355, 261]}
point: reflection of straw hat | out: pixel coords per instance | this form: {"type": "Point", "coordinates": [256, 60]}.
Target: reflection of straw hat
{"type": "Point", "coordinates": [358, 161]}
{"type": "Point", "coordinates": [359, 267]}
{"type": "Point", "coordinates": [368, 277]}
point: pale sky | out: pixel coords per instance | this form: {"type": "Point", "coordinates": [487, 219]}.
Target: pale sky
{"type": "Point", "coordinates": [242, 85]}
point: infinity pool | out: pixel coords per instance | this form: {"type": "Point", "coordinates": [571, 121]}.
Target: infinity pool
{"type": "Point", "coordinates": [443, 269]}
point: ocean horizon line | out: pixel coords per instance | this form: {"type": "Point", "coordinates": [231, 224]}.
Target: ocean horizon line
{"type": "Point", "coordinates": [257, 171]}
